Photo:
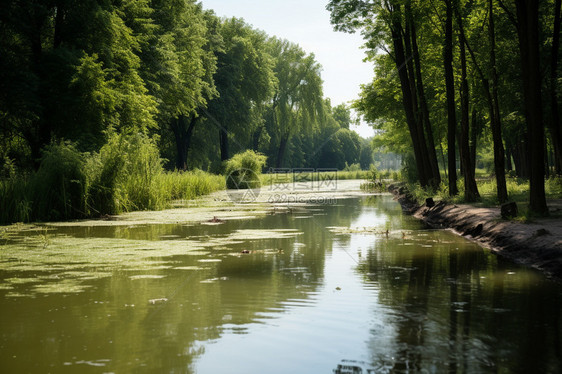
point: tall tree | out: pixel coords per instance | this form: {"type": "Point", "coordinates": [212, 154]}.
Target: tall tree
{"type": "Point", "coordinates": [297, 100]}
{"type": "Point", "coordinates": [470, 187]}
{"type": "Point", "coordinates": [528, 31]}
{"type": "Point", "coordinates": [244, 80]}
{"type": "Point", "coordinates": [389, 26]}
{"type": "Point", "coordinates": [451, 105]}
{"type": "Point", "coordinates": [555, 130]}
{"type": "Point", "coordinates": [178, 65]}
{"type": "Point", "coordinates": [492, 99]}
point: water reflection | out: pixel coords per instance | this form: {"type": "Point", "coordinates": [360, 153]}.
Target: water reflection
{"type": "Point", "coordinates": [458, 308]}
{"type": "Point", "coordinates": [413, 300]}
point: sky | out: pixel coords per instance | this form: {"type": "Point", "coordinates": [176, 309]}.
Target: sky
{"type": "Point", "coordinates": [307, 23]}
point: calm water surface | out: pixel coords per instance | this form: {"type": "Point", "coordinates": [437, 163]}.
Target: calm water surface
{"type": "Point", "coordinates": [318, 287]}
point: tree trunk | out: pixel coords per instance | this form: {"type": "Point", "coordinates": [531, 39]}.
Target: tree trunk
{"type": "Point", "coordinates": [407, 99]}
{"type": "Point", "coordinates": [528, 30]}
{"type": "Point", "coordinates": [499, 154]}
{"type": "Point", "coordinates": [470, 187]}
{"type": "Point", "coordinates": [223, 137]}
{"type": "Point", "coordinates": [493, 103]}
{"type": "Point", "coordinates": [281, 151]}
{"type": "Point", "coordinates": [451, 110]}
{"type": "Point", "coordinates": [435, 178]}
{"type": "Point", "coordinates": [256, 138]}
{"type": "Point", "coordinates": [555, 131]}
{"type": "Point", "coordinates": [474, 129]}
{"type": "Point", "coordinates": [183, 133]}
{"type": "Point", "coordinates": [428, 172]}
{"type": "Point", "coordinates": [508, 165]}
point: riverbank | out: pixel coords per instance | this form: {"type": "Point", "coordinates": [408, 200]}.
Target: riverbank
{"type": "Point", "coordinates": [537, 243]}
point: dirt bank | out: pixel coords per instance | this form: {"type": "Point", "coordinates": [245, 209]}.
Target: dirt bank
{"type": "Point", "coordinates": [537, 244]}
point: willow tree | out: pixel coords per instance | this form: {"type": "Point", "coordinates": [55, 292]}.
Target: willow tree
{"type": "Point", "coordinates": [178, 66]}
{"type": "Point", "coordinates": [297, 99]}
{"type": "Point", "coordinates": [244, 80]}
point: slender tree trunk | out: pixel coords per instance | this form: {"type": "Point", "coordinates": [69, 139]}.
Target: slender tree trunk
{"type": "Point", "coordinates": [528, 22]}
{"type": "Point", "coordinates": [508, 165]}
{"type": "Point", "coordinates": [451, 110]}
{"type": "Point", "coordinates": [555, 131]}
{"type": "Point", "coordinates": [474, 128]}
{"type": "Point", "coordinates": [424, 111]}
{"type": "Point", "coordinates": [256, 138]}
{"type": "Point", "coordinates": [281, 151]}
{"type": "Point", "coordinates": [407, 99]}
{"type": "Point", "coordinates": [59, 20]}
{"type": "Point", "coordinates": [470, 187]}
{"type": "Point", "coordinates": [408, 41]}
{"type": "Point", "coordinates": [223, 138]}
{"type": "Point", "coordinates": [499, 154]}
{"type": "Point", "coordinates": [493, 103]}
{"type": "Point", "coordinates": [546, 167]}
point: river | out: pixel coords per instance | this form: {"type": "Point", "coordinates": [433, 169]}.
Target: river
{"type": "Point", "coordinates": [341, 283]}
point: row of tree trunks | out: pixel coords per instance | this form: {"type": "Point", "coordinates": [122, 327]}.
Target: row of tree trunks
{"type": "Point", "coordinates": [423, 108]}
{"type": "Point", "coordinates": [406, 57]}
{"type": "Point", "coordinates": [491, 99]}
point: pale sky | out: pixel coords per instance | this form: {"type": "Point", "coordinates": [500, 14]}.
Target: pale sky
{"type": "Point", "coordinates": [307, 23]}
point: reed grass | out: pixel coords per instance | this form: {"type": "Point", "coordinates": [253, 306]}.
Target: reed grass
{"type": "Point", "coordinates": [125, 175]}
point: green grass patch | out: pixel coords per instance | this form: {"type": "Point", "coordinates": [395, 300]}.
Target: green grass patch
{"type": "Point", "coordinates": [517, 190]}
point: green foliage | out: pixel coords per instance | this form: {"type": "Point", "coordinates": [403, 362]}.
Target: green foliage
{"type": "Point", "coordinates": [59, 186]}
{"type": "Point", "coordinates": [121, 84]}
{"type": "Point", "coordinates": [352, 167]}
{"type": "Point", "coordinates": [124, 174]}
{"type": "Point", "coordinates": [15, 199]}
{"type": "Point", "coordinates": [243, 170]}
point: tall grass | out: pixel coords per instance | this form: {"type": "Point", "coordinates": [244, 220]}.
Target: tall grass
{"type": "Point", "coordinates": [125, 175]}
{"type": "Point", "coordinates": [189, 185]}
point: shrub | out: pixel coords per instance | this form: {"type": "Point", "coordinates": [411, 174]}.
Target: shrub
{"type": "Point", "coordinates": [352, 167]}
{"type": "Point", "coordinates": [243, 170]}
{"type": "Point", "coordinates": [124, 174]}
{"type": "Point", "coordinates": [59, 187]}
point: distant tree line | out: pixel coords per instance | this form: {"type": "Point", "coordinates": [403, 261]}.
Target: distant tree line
{"type": "Point", "coordinates": [203, 88]}
{"type": "Point", "coordinates": [456, 77]}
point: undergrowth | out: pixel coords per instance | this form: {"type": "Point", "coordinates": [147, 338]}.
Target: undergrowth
{"type": "Point", "coordinates": [517, 190]}
{"type": "Point", "coordinates": [125, 175]}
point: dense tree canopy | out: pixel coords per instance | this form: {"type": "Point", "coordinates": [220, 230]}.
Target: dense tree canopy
{"type": "Point", "coordinates": [459, 77]}
{"type": "Point", "coordinates": [203, 88]}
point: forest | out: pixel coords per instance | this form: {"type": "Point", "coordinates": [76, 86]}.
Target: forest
{"type": "Point", "coordinates": [457, 81]}
{"type": "Point", "coordinates": [103, 102]}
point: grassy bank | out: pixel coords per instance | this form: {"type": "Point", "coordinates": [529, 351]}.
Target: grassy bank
{"type": "Point", "coordinates": [125, 175]}
{"type": "Point", "coordinates": [321, 176]}
{"type": "Point", "coordinates": [517, 189]}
